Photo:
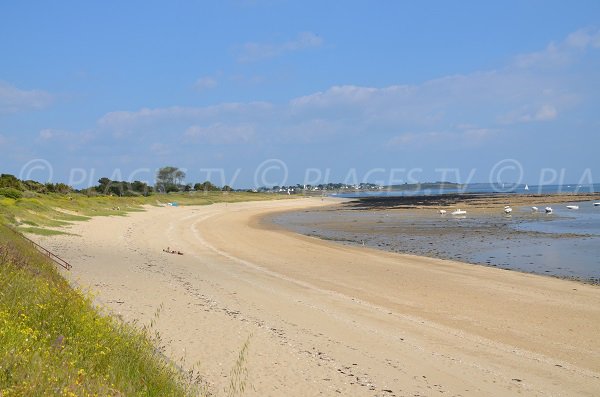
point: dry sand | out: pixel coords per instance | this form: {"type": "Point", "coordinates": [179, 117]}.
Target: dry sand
{"type": "Point", "coordinates": [331, 320]}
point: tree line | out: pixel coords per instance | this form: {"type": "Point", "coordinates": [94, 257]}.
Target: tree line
{"type": "Point", "coordinates": [168, 179]}
{"type": "Point", "coordinates": [11, 186]}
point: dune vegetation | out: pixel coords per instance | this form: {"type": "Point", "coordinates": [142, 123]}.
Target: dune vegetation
{"type": "Point", "coordinates": [53, 340]}
{"type": "Point", "coordinates": [46, 213]}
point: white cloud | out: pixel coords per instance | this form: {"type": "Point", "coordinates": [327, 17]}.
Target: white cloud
{"type": "Point", "coordinates": [252, 51]}
{"type": "Point", "coordinates": [161, 149]}
{"type": "Point", "coordinates": [420, 139]}
{"type": "Point", "coordinates": [48, 134]}
{"type": "Point", "coordinates": [545, 113]}
{"type": "Point", "coordinates": [13, 99]}
{"type": "Point", "coordinates": [562, 53]}
{"type": "Point", "coordinates": [527, 115]}
{"type": "Point", "coordinates": [304, 40]}
{"type": "Point", "coordinates": [470, 109]}
{"type": "Point", "coordinates": [205, 83]}
{"type": "Point", "coordinates": [70, 140]}
{"type": "Point", "coordinates": [461, 138]}
{"type": "Point", "coordinates": [146, 116]}
{"type": "Point", "coordinates": [220, 133]}
{"type": "Point", "coordinates": [584, 38]}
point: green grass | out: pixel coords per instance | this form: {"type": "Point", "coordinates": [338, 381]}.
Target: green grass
{"type": "Point", "coordinates": [41, 232]}
{"type": "Point", "coordinates": [55, 210]}
{"type": "Point", "coordinates": [53, 342]}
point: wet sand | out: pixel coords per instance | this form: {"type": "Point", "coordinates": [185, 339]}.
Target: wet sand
{"type": "Point", "coordinates": [476, 201]}
{"type": "Point", "coordinates": [332, 320]}
{"type": "Point", "coordinates": [563, 244]}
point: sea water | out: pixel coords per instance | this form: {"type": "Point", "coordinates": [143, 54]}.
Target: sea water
{"type": "Point", "coordinates": [565, 243]}
{"type": "Point", "coordinates": [415, 190]}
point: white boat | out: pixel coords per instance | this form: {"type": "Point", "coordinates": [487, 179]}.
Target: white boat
{"type": "Point", "coordinates": [548, 210]}
{"type": "Point", "coordinates": [526, 187]}
{"type": "Point", "coordinates": [535, 209]}
{"type": "Point", "coordinates": [443, 212]}
{"type": "Point", "coordinates": [573, 207]}
{"type": "Point", "coordinates": [596, 204]}
{"type": "Point", "coordinates": [507, 209]}
{"type": "Point", "coordinates": [459, 212]}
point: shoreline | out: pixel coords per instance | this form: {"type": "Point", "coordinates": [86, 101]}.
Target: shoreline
{"type": "Point", "coordinates": [486, 236]}
{"type": "Point", "coordinates": [474, 200]}
{"type": "Point", "coordinates": [332, 319]}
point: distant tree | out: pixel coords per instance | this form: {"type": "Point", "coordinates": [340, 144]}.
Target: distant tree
{"type": "Point", "coordinates": [172, 188]}
{"type": "Point", "coordinates": [206, 186]}
{"type": "Point", "coordinates": [35, 186]}
{"type": "Point", "coordinates": [7, 180]}
{"type": "Point", "coordinates": [90, 192]}
{"type": "Point", "coordinates": [104, 186]}
{"type": "Point", "coordinates": [227, 188]}
{"type": "Point", "coordinates": [141, 187]}
{"type": "Point", "coordinates": [122, 188]}
{"type": "Point", "coordinates": [169, 179]}
{"type": "Point", "coordinates": [60, 188]}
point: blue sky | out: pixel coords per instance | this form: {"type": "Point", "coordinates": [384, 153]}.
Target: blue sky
{"type": "Point", "coordinates": [270, 92]}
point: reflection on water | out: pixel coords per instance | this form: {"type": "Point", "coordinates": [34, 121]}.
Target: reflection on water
{"type": "Point", "coordinates": [585, 220]}
{"type": "Point", "coordinates": [565, 243]}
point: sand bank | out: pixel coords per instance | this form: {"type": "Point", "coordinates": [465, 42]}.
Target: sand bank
{"type": "Point", "coordinates": [327, 319]}
{"type": "Point", "coordinates": [562, 244]}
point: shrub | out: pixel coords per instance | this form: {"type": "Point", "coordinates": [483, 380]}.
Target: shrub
{"type": "Point", "coordinates": [54, 342]}
{"type": "Point", "coordinates": [11, 193]}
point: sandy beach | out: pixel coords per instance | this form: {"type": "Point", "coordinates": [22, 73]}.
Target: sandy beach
{"type": "Point", "coordinates": [327, 319]}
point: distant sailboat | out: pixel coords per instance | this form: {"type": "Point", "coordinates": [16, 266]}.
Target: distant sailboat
{"type": "Point", "coordinates": [526, 187]}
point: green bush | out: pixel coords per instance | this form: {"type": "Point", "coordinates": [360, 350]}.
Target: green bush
{"type": "Point", "coordinates": [11, 193]}
{"type": "Point", "coordinates": [53, 342]}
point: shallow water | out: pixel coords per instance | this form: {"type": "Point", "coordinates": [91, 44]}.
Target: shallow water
{"type": "Point", "coordinates": [585, 220]}
{"type": "Point", "coordinates": [564, 244]}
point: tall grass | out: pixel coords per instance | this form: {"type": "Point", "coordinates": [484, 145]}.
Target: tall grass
{"type": "Point", "coordinates": [54, 343]}
{"type": "Point", "coordinates": [56, 210]}
{"type": "Point", "coordinates": [238, 378]}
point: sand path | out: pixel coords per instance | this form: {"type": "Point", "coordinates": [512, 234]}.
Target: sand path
{"type": "Point", "coordinates": [330, 320]}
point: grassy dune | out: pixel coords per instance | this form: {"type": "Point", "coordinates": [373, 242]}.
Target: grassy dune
{"type": "Point", "coordinates": [54, 342]}
{"type": "Point", "coordinates": [46, 213]}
